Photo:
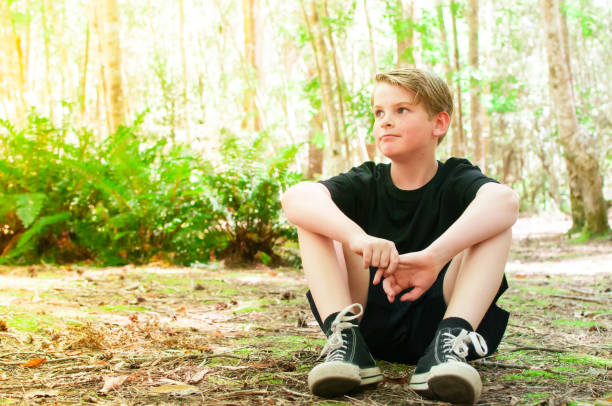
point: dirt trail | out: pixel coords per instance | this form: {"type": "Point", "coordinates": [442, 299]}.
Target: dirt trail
{"type": "Point", "coordinates": [206, 335]}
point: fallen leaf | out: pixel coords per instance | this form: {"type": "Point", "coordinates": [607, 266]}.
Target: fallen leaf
{"type": "Point", "coordinates": [3, 325]}
{"type": "Point", "coordinates": [176, 390]}
{"type": "Point", "coordinates": [34, 362]}
{"type": "Point", "coordinates": [181, 310]}
{"type": "Point", "coordinates": [520, 276]}
{"type": "Point", "coordinates": [273, 273]}
{"type": "Point", "coordinates": [76, 352]}
{"type": "Point", "coordinates": [198, 376]}
{"type": "Point", "coordinates": [112, 382]}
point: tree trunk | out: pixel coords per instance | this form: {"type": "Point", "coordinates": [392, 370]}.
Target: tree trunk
{"type": "Point", "coordinates": [339, 86]}
{"type": "Point", "coordinates": [582, 164]}
{"type": "Point", "coordinates": [14, 86]}
{"type": "Point", "coordinates": [251, 120]}
{"type": "Point", "coordinates": [405, 34]}
{"type": "Point", "coordinates": [48, 91]}
{"type": "Point", "coordinates": [459, 144]}
{"type": "Point", "coordinates": [111, 46]}
{"type": "Point", "coordinates": [475, 105]}
{"type": "Point", "coordinates": [83, 88]}
{"type": "Point", "coordinates": [370, 146]}
{"type": "Point", "coordinates": [315, 154]}
{"type": "Point", "coordinates": [334, 159]}
{"type": "Point", "coordinates": [186, 121]}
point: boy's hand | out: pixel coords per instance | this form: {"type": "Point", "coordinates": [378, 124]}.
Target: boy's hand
{"type": "Point", "coordinates": [417, 270]}
{"type": "Point", "coordinates": [376, 252]}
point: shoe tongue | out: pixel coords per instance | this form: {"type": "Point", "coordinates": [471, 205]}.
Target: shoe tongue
{"type": "Point", "coordinates": [455, 323]}
{"type": "Point", "coordinates": [330, 319]}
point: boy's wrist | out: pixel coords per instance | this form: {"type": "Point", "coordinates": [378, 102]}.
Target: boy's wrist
{"type": "Point", "coordinates": [440, 256]}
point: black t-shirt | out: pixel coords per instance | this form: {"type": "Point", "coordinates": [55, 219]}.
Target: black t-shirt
{"type": "Point", "coordinates": [412, 219]}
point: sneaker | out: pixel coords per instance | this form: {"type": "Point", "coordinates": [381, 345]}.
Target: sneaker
{"type": "Point", "coordinates": [348, 364]}
{"type": "Point", "coordinates": [443, 373]}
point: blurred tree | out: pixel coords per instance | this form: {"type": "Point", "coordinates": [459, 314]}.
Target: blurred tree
{"type": "Point", "coordinates": [459, 142]}
{"type": "Point", "coordinates": [334, 161]}
{"type": "Point", "coordinates": [582, 164]}
{"type": "Point", "coordinates": [475, 105]}
{"type": "Point", "coordinates": [404, 30]}
{"type": "Point", "coordinates": [13, 81]}
{"type": "Point", "coordinates": [252, 118]}
{"type": "Point", "coordinates": [111, 47]}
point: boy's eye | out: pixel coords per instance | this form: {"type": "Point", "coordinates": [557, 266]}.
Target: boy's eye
{"type": "Point", "coordinates": [402, 110]}
{"type": "Point", "coordinates": [378, 113]}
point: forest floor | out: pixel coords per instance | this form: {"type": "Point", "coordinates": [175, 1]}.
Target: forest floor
{"type": "Point", "coordinates": [208, 335]}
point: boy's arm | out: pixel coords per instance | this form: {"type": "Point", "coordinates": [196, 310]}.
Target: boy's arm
{"type": "Point", "coordinates": [493, 210]}
{"type": "Point", "coordinates": [309, 205]}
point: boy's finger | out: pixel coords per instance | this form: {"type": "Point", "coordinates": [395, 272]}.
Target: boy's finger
{"type": "Point", "coordinates": [378, 276]}
{"type": "Point", "coordinates": [393, 262]}
{"type": "Point", "coordinates": [367, 257]}
{"type": "Point", "coordinates": [384, 259]}
{"type": "Point", "coordinates": [413, 295]}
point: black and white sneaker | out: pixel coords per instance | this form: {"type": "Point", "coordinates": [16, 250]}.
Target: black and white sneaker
{"type": "Point", "coordinates": [443, 373]}
{"type": "Point", "coordinates": [348, 364]}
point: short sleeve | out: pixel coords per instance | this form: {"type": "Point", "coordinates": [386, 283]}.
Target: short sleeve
{"type": "Point", "coordinates": [465, 181]}
{"type": "Point", "coordinates": [349, 190]}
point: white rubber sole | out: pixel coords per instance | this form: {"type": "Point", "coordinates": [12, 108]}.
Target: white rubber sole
{"type": "Point", "coordinates": [455, 382]}
{"type": "Point", "coordinates": [337, 378]}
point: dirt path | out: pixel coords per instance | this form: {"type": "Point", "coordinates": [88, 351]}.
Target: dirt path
{"type": "Point", "coordinates": [163, 335]}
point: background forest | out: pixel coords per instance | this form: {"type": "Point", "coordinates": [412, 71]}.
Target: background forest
{"type": "Point", "coordinates": [134, 131]}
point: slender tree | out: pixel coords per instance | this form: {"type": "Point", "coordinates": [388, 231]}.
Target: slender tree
{"type": "Point", "coordinates": [252, 119]}
{"type": "Point", "coordinates": [459, 143]}
{"type": "Point", "coordinates": [582, 163]}
{"type": "Point", "coordinates": [111, 46]}
{"type": "Point", "coordinates": [334, 161]}
{"type": "Point", "coordinates": [475, 105]}
{"type": "Point", "coordinates": [405, 33]}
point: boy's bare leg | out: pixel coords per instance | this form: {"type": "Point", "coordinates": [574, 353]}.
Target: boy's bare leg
{"type": "Point", "coordinates": [470, 285]}
{"type": "Point", "coordinates": [337, 280]}
{"type": "Point", "coordinates": [474, 276]}
{"type": "Point", "coordinates": [334, 274]}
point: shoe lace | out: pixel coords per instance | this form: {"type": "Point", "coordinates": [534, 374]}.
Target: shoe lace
{"type": "Point", "coordinates": [456, 347]}
{"type": "Point", "coordinates": [336, 346]}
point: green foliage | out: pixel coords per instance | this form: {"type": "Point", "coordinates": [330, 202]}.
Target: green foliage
{"type": "Point", "coordinates": [132, 198]}
{"type": "Point", "coordinates": [246, 199]}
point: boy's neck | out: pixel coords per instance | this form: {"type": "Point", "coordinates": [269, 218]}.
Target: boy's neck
{"type": "Point", "coordinates": [414, 173]}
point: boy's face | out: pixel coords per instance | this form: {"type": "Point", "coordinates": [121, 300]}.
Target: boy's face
{"type": "Point", "coordinates": [401, 128]}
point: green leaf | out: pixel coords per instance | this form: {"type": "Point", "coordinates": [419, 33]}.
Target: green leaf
{"type": "Point", "coordinates": [29, 207]}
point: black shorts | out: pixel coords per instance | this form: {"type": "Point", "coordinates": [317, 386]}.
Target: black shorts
{"type": "Point", "coordinates": [401, 331]}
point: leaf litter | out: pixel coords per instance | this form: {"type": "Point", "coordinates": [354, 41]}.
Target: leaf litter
{"type": "Point", "coordinates": [143, 335]}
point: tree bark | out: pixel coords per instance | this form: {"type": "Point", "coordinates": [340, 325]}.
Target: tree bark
{"type": "Point", "coordinates": [340, 85]}
{"type": "Point", "coordinates": [334, 162]}
{"type": "Point", "coordinates": [582, 164]}
{"type": "Point", "coordinates": [14, 85]}
{"type": "Point", "coordinates": [475, 90]}
{"type": "Point", "coordinates": [405, 34]}
{"type": "Point", "coordinates": [369, 141]}
{"type": "Point", "coordinates": [459, 144]}
{"type": "Point", "coordinates": [251, 120]}
{"type": "Point", "coordinates": [186, 121]}
{"type": "Point", "coordinates": [111, 46]}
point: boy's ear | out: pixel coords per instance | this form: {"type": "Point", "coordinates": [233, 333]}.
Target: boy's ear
{"type": "Point", "coordinates": [441, 123]}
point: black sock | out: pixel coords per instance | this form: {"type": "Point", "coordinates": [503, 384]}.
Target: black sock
{"type": "Point", "coordinates": [330, 319]}
{"type": "Point", "coordinates": [455, 322]}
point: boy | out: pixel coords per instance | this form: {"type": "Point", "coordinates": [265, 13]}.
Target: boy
{"type": "Point", "coordinates": [439, 235]}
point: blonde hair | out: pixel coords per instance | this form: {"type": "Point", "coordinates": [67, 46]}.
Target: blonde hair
{"type": "Point", "coordinates": [426, 86]}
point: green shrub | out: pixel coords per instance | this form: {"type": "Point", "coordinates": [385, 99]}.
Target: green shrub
{"type": "Point", "coordinates": [247, 187]}
{"type": "Point", "coordinates": [133, 198]}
